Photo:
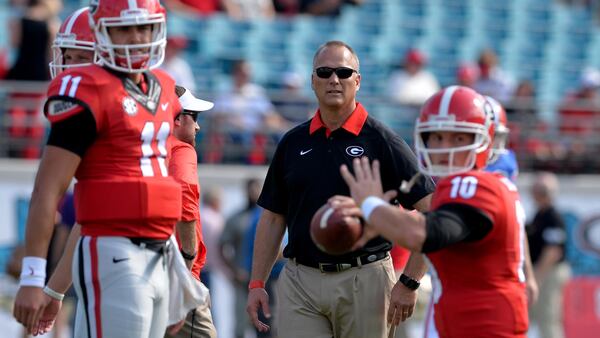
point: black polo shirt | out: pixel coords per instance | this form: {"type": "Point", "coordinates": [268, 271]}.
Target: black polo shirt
{"type": "Point", "coordinates": [305, 173]}
{"type": "Point", "coordinates": [547, 228]}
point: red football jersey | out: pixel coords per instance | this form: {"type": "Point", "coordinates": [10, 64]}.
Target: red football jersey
{"type": "Point", "coordinates": [184, 169]}
{"type": "Point", "coordinates": [479, 285]}
{"type": "Point", "coordinates": [123, 187]}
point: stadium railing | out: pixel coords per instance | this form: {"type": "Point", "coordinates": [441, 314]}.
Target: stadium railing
{"type": "Point", "coordinates": [566, 144]}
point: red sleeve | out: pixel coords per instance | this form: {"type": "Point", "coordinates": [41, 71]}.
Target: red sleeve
{"type": "Point", "coordinates": [201, 258]}
{"type": "Point", "coordinates": [183, 168]}
{"type": "Point", "coordinates": [72, 92]}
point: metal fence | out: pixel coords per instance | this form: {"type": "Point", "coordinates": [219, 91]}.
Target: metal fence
{"type": "Point", "coordinates": [567, 142]}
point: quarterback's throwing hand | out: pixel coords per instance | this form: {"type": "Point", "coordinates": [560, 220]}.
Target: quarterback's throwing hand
{"type": "Point", "coordinates": [366, 180]}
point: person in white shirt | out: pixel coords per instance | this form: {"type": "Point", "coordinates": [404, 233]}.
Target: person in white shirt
{"type": "Point", "coordinates": [412, 85]}
{"type": "Point", "coordinates": [176, 66]}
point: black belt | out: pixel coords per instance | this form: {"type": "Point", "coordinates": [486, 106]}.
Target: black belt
{"type": "Point", "coordinates": [156, 245]}
{"type": "Point", "coordinates": [343, 266]}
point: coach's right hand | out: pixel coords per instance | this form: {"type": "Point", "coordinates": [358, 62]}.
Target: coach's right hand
{"type": "Point", "coordinates": [258, 298]}
{"type": "Point", "coordinates": [30, 303]}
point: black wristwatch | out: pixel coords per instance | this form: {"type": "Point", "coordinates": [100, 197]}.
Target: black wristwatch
{"type": "Point", "coordinates": [187, 256]}
{"type": "Point", "coordinates": [409, 282]}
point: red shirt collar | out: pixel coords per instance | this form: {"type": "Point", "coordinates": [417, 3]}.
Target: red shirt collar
{"type": "Point", "coordinates": [353, 124]}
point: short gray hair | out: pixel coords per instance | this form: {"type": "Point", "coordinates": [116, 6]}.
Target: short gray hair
{"type": "Point", "coordinates": [336, 43]}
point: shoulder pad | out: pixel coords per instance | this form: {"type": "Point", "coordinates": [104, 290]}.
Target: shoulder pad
{"type": "Point", "coordinates": [73, 91]}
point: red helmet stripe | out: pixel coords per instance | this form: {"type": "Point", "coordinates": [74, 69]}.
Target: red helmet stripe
{"type": "Point", "coordinates": [73, 19]}
{"type": "Point", "coordinates": [446, 98]}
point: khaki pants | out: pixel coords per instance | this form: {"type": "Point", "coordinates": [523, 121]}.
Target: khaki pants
{"type": "Point", "coordinates": [547, 312]}
{"type": "Point", "coordinates": [348, 304]}
{"type": "Point", "coordinates": [198, 324]}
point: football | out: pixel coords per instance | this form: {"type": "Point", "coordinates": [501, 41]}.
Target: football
{"type": "Point", "coordinates": [333, 233]}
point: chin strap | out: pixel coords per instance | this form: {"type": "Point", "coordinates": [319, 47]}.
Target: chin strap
{"type": "Point", "coordinates": [405, 186]}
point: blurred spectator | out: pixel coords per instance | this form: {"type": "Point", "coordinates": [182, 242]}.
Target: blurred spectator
{"type": "Point", "coordinates": [17, 6]}
{"type": "Point", "coordinates": [248, 9]}
{"type": "Point", "coordinates": [286, 7]}
{"type": "Point", "coordinates": [492, 80]}
{"type": "Point", "coordinates": [232, 252]}
{"type": "Point", "coordinates": [31, 35]}
{"type": "Point", "coordinates": [196, 7]}
{"type": "Point", "coordinates": [4, 66]}
{"type": "Point", "coordinates": [580, 110]}
{"type": "Point", "coordinates": [175, 65]}
{"type": "Point", "coordinates": [522, 106]}
{"type": "Point", "coordinates": [467, 74]}
{"type": "Point", "coordinates": [290, 101]}
{"type": "Point", "coordinates": [547, 236]}
{"type": "Point", "coordinates": [325, 7]}
{"type": "Point", "coordinates": [246, 106]}
{"type": "Point", "coordinates": [578, 159]}
{"type": "Point", "coordinates": [587, 4]}
{"type": "Point", "coordinates": [412, 85]}
{"type": "Point", "coordinates": [527, 131]}
{"type": "Point", "coordinates": [246, 116]}
{"type": "Point", "coordinates": [212, 227]}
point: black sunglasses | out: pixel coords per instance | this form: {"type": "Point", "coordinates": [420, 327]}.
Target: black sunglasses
{"type": "Point", "coordinates": [193, 114]}
{"type": "Point", "coordinates": [341, 72]}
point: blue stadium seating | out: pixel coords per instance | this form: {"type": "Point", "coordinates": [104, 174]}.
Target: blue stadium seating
{"type": "Point", "coordinates": [544, 41]}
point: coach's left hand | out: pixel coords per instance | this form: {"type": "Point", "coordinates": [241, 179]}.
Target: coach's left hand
{"type": "Point", "coordinates": [402, 304]}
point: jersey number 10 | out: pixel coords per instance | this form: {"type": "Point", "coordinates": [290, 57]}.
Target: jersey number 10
{"type": "Point", "coordinates": [465, 187]}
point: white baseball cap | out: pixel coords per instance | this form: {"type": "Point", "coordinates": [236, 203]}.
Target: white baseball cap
{"type": "Point", "coordinates": [189, 102]}
{"type": "Point", "coordinates": [590, 78]}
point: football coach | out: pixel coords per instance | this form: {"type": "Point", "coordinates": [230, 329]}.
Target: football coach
{"type": "Point", "coordinates": [320, 295]}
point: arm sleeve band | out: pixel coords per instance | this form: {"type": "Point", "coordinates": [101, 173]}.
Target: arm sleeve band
{"type": "Point", "coordinates": [454, 223]}
{"type": "Point", "coordinates": [75, 134]}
